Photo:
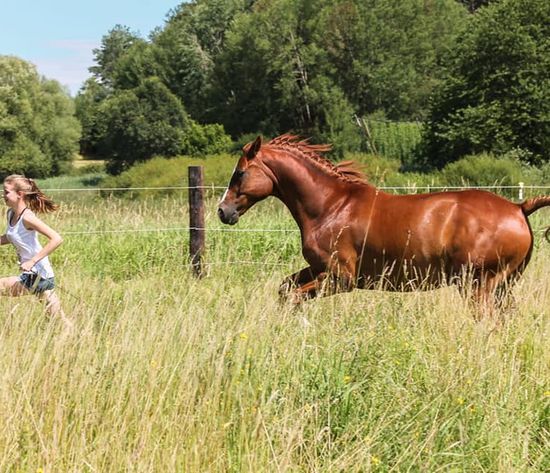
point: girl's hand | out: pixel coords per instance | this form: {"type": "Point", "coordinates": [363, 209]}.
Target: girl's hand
{"type": "Point", "coordinates": [27, 265]}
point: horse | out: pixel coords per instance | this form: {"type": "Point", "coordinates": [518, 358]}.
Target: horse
{"type": "Point", "coordinates": [356, 236]}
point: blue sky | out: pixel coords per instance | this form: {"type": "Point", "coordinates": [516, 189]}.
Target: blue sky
{"type": "Point", "coordinates": [58, 36]}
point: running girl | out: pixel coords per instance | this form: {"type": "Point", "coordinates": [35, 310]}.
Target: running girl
{"type": "Point", "coordinates": [24, 198]}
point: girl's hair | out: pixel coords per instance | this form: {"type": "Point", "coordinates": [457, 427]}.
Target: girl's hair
{"type": "Point", "coordinates": [34, 197]}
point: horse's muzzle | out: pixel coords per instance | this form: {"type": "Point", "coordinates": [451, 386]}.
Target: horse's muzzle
{"type": "Point", "coordinates": [228, 216]}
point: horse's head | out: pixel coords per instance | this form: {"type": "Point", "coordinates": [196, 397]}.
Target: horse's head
{"type": "Point", "coordinates": [249, 184]}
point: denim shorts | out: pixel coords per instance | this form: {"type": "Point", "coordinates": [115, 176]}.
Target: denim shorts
{"type": "Point", "coordinates": [36, 284]}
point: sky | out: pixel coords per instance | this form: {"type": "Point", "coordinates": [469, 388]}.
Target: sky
{"type": "Point", "coordinates": [58, 36]}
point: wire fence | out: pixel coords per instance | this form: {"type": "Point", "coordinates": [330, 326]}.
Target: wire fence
{"type": "Point", "coordinates": [183, 229]}
{"type": "Point", "coordinates": [383, 188]}
{"type": "Point", "coordinates": [520, 188]}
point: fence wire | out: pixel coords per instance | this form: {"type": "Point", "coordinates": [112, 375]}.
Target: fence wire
{"type": "Point", "coordinates": [383, 188]}
{"type": "Point", "coordinates": [520, 188]}
{"type": "Point", "coordinates": [187, 229]}
{"type": "Point", "coordinates": [182, 229]}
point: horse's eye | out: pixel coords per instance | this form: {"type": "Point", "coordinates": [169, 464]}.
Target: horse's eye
{"type": "Point", "coordinates": [236, 177]}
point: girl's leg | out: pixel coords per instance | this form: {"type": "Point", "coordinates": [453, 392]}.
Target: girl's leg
{"type": "Point", "coordinates": [53, 306]}
{"type": "Point", "coordinates": [11, 286]}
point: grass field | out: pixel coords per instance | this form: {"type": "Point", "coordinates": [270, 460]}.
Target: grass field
{"type": "Point", "coordinates": [168, 373]}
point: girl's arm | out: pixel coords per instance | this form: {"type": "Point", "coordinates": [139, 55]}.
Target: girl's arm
{"type": "Point", "coordinates": [32, 222]}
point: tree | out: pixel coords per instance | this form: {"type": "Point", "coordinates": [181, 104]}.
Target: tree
{"type": "Point", "coordinates": [496, 97]}
{"type": "Point", "coordinates": [188, 46]}
{"type": "Point", "coordinates": [140, 123]}
{"type": "Point", "coordinates": [279, 58]}
{"type": "Point", "coordinates": [38, 131]}
{"type": "Point", "coordinates": [87, 103]}
{"type": "Point", "coordinates": [385, 55]}
{"type": "Point", "coordinates": [113, 46]}
{"type": "Point", "coordinates": [138, 62]}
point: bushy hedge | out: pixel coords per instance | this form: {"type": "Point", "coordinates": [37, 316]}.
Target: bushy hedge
{"type": "Point", "coordinates": [477, 170]}
{"type": "Point", "coordinates": [483, 170]}
{"type": "Point", "coordinates": [171, 172]}
{"type": "Point", "coordinates": [204, 140]}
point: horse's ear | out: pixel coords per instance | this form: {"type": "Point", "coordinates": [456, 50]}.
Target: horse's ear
{"type": "Point", "coordinates": [254, 148]}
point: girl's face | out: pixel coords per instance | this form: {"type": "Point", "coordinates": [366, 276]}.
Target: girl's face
{"type": "Point", "coordinates": [11, 196]}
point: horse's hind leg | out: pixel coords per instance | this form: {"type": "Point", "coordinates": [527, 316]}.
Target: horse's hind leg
{"type": "Point", "coordinates": [504, 298]}
{"type": "Point", "coordinates": [492, 293]}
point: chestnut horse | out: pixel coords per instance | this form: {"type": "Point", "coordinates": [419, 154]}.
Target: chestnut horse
{"type": "Point", "coordinates": [355, 235]}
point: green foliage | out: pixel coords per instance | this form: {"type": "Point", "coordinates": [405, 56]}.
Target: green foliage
{"type": "Point", "coordinates": [483, 170]}
{"type": "Point", "coordinates": [113, 47]}
{"type": "Point", "coordinates": [140, 123]}
{"type": "Point", "coordinates": [87, 104]}
{"type": "Point", "coordinates": [81, 180]}
{"type": "Point", "coordinates": [393, 139]}
{"type": "Point", "coordinates": [38, 131]}
{"type": "Point", "coordinates": [473, 5]}
{"type": "Point", "coordinates": [334, 123]}
{"type": "Point", "coordinates": [271, 67]}
{"type": "Point", "coordinates": [496, 97]}
{"type": "Point", "coordinates": [163, 172]}
{"type": "Point", "coordinates": [307, 66]}
{"type": "Point", "coordinates": [188, 46]}
{"type": "Point", "coordinates": [385, 55]}
{"type": "Point", "coordinates": [138, 62]}
{"type": "Point", "coordinates": [21, 155]}
{"type": "Point", "coordinates": [202, 140]}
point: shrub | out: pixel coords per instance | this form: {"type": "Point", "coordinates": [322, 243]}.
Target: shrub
{"type": "Point", "coordinates": [483, 170]}
{"type": "Point", "coordinates": [203, 140]}
{"type": "Point", "coordinates": [163, 172]}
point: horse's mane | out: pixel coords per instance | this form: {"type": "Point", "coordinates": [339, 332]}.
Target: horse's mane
{"type": "Point", "coordinates": [346, 170]}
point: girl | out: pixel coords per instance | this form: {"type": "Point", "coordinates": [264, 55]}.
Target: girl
{"type": "Point", "coordinates": [23, 198]}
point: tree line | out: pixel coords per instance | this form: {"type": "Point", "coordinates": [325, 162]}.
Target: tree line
{"type": "Point", "coordinates": [474, 72]}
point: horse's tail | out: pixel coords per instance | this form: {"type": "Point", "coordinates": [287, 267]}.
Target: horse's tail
{"type": "Point", "coordinates": [531, 205]}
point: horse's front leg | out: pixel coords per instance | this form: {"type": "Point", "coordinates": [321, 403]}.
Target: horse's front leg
{"type": "Point", "coordinates": [292, 287]}
{"type": "Point", "coordinates": [307, 283]}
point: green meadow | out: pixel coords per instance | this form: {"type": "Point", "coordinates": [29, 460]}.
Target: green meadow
{"type": "Point", "coordinates": [165, 372]}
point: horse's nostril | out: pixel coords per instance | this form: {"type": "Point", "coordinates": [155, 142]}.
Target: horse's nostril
{"type": "Point", "coordinates": [222, 215]}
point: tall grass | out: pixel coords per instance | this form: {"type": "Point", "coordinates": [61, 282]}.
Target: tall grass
{"type": "Point", "coordinates": [168, 373]}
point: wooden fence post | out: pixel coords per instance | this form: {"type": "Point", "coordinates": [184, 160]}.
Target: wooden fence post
{"type": "Point", "coordinates": [196, 219]}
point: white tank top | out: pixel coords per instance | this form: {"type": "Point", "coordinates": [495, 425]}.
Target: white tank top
{"type": "Point", "coordinates": [27, 245]}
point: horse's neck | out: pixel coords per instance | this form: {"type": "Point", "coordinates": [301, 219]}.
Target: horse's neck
{"type": "Point", "coordinates": [306, 189]}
